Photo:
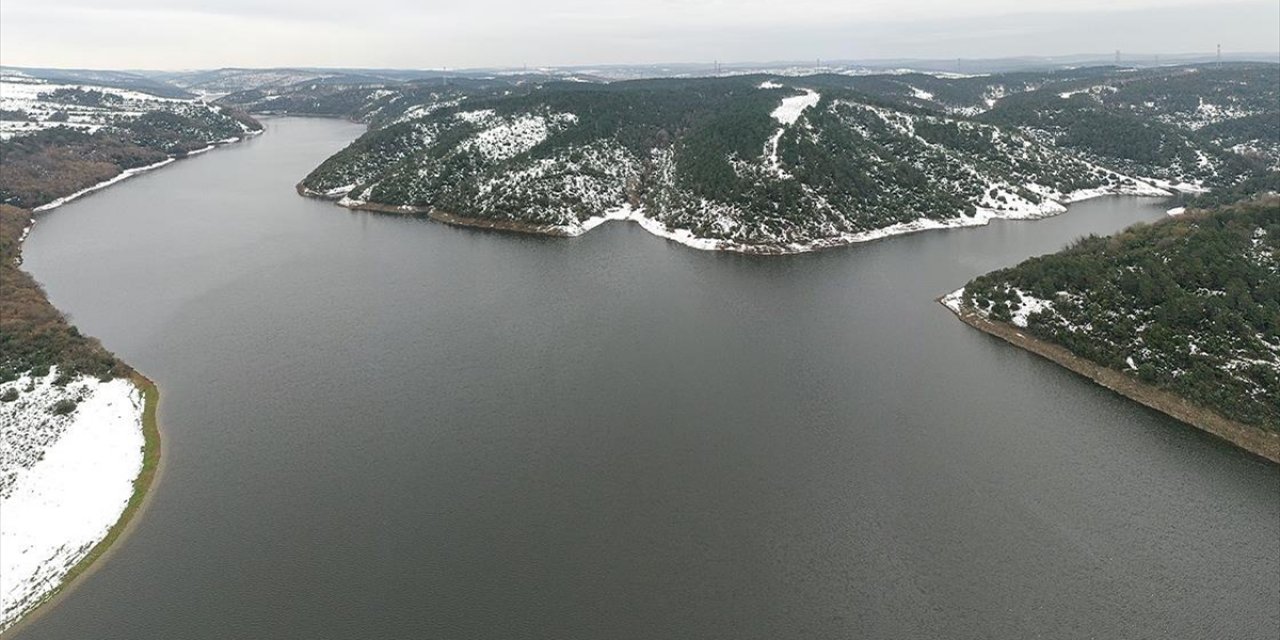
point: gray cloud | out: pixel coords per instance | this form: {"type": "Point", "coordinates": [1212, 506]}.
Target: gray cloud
{"type": "Point", "coordinates": [401, 33]}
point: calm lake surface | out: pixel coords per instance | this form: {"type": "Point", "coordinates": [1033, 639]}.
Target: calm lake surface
{"type": "Point", "coordinates": [382, 427]}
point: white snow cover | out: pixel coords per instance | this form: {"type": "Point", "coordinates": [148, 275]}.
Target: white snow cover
{"type": "Point", "coordinates": [625, 212]}
{"type": "Point", "coordinates": [628, 213]}
{"type": "Point", "coordinates": [769, 84]}
{"type": "Point", "coordinates": [791, 108]}
{"type": "Point", "coordinates": [1176, 211]}
{"type": "Point", "coordinates": [1137, 188]}
{"type": "Point", "coordinates": [507, 138]}
{"type": "Point", "coordinates": [954, 300]}
{"type": "Point", "coordinates": [337, 192]}
{"type": "Point", "coordinates": [1030, 304]}
{"type": "Point", "coordinates": [772, 163]}
{"type": "Point", "coordinates": [920, 94]}
{"type": "Point", "coordinates": [474, 117]}
{"type": "Point", "coordinates": [64, 480]}
{"type": "Point", "coordinates": [787, 113]}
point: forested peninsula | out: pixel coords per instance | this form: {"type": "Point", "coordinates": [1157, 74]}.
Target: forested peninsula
{"type": "Point", "coordinates": [1182, 315]}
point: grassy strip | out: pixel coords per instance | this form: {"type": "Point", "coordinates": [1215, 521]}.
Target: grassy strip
{"type": "Point", "coordinates": [141, 486]}
{"type": "Point", "coordinates": [1252, 439]}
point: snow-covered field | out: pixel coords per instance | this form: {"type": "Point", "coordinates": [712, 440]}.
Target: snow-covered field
{"type": "Point", "coordinates": [31, 105]}
{"type": "Point", "coordinates": [64, 479]}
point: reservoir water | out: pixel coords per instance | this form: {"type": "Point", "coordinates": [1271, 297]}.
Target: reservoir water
{"type": "Point", "coordinates": [382, 427]}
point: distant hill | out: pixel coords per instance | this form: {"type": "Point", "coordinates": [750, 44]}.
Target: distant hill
{"type": "Point", "coordinates": [778, 164]}
{"type": "Point", "coordinates": [129, 80]}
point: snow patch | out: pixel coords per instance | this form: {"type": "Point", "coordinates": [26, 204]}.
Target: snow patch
{"type": "Point", "coordinates": [786, 114]}
{"type": "Point", "coordinates": [510, 137]}
{"type": "Point", "coordinates": [1028, 304]}
{"type": "Point", "coordinates": [789, 111]}
{"type": "Point", "coordinates": [954, 300]}
{"type": "Point", "coordinates": [474, 117]}
{"type": "Point", "coordinates": [920, 94]}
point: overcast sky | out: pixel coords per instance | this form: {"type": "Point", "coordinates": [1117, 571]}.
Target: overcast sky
{"type": "Point", "coordinates": [175, 34]}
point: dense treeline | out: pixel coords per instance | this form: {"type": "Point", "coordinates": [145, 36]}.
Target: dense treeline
{"type": "Point", "coordinates": [1190, 304]}
{"type": "Point", "coordinates": [82, 97]}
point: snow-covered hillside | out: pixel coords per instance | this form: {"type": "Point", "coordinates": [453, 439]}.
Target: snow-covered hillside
{"type": "Point", "coordinates": [69, 456]}
{"type": "Point", "coordinates": [789, 164]}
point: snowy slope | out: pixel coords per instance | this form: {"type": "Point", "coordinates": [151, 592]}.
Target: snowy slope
{"type": "Point", "coordinates": [64, 479]}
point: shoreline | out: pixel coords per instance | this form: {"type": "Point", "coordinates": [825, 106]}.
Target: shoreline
{"type": "Point", "coordinates": [1251, 439]}
{"type": "Point", "coordinates": [138, 502]}
{"type": "Point", "coordinates": [119, 177]}
{"type": "Point", "coordinates": [685, 237]}
{"type": "Point", "coordinates": [512, 226]}
{"type": "Point", "coordinates": [140, 497]}
{"type": "Point", "coordinates": [129, 173]}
